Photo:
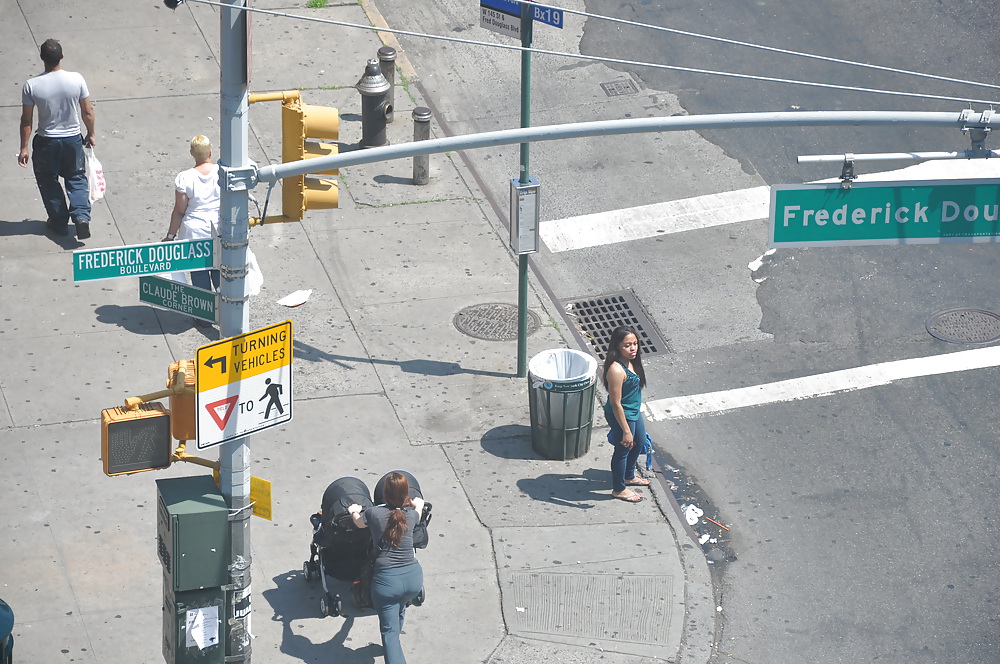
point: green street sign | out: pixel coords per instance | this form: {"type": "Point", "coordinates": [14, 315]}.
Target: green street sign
{"type": "Point", "coordinates": [924, 212]}
{"type": "Point", "coordinates": [139, 259]}
{"type": "Point", "coordinates": [177, 296]}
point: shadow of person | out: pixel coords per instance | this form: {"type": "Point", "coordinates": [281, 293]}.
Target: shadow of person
{"type": "Point", "coordinates": [569, 490]}
{"type": "Point", "coordinates": [293, 600]}
{"type": "Point", "coordinates": [23, 227]}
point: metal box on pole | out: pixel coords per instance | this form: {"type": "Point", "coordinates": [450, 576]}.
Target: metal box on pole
{"type": "Point", "coordinates": [193, 625]}
{"type": "Point", "coordinates": [524, 216]}
{"type": "Point", "coordinates": [192, 533]}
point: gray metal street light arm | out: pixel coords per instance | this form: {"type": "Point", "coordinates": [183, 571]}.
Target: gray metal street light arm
{"type": "Point", "coordinates": [966, 120]}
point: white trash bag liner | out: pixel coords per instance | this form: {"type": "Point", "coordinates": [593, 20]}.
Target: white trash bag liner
{"type": "Point", "coordinates": [562, 369]}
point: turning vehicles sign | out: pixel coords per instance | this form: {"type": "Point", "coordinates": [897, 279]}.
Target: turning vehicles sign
{"type": "Point", "coordinates": [244, 384]}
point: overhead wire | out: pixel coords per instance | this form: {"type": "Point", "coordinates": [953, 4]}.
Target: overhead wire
{"type": "Point", "coordinates": [597, 58]}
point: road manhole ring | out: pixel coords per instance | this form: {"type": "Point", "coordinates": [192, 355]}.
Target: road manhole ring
{"type": "Point", "coordinates": [493, 321]}
{"type": "Point", "coordinates": [964, 326]}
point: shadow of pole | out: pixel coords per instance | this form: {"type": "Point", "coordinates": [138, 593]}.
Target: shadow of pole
{"type": "Point", "coordinates": [304, 351]}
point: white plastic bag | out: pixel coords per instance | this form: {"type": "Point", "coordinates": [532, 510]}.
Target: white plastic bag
{"type": "Point", "coordinates": [254, 278]}
{"type": "Point", "coordinates": [95, 175]}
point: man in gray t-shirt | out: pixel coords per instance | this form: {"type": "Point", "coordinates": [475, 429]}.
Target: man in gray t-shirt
{"type": "Point", "coordinates": [63, 101]}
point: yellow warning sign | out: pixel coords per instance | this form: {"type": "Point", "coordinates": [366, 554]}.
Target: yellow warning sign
{"type": "Point", "coordinates": [231, 360]}
{"type": "Point", "coordinates": [260, 495]}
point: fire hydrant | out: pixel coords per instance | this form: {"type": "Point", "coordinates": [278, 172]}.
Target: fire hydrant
{"type": "Point", "coordinates": [375, 105]}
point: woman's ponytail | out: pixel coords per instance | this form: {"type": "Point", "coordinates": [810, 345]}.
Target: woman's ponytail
{"type": "Point", "coordinates": [397, 496]}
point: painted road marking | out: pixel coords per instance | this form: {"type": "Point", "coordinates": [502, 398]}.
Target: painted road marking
{"type": "Point", "coordinates": [809, 387]}
{"type": "Point", "coordinates": [730, 207]}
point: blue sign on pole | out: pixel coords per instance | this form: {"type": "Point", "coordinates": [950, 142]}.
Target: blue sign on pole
{"type": "Point", "coordinates": [505, 6]}
{"type": "Point", "coordinates": [548, 15]}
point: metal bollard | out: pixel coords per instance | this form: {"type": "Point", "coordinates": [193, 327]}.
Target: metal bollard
{"type": "Point", "coordinates": [387, 63]}
{"type": "Point", "coordinates": [375, 107]}
{"type": "Point", "coordinates": [421, 132]}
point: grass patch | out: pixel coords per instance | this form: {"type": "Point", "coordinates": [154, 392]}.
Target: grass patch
{"type": "Point", "coordinates": [316, 4]}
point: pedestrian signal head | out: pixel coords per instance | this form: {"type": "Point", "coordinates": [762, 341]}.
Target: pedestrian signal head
{"type": "Point", "coordinates": [135, 440]}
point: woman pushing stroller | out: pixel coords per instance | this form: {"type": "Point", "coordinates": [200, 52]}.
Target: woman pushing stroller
{"type": "Point", "coordinates": [398, 577]}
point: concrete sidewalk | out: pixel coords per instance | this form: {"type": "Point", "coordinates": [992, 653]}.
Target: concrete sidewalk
{"type": "Point", "coordinates": [530, 560]}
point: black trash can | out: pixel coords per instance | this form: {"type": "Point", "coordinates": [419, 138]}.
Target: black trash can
{"type": "Point", "coordinates": [562, 385]}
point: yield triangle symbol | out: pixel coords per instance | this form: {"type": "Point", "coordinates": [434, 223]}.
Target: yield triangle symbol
{"type": "Point", "coordinates": [222, 409]}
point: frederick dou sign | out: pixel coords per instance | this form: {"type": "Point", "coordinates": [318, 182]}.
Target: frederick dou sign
{"type": "Point", "coordinates": [139, 259]}
{"type": "Point", "coordinates": [923, 212]}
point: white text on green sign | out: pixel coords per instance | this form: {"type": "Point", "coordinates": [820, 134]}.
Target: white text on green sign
{"type": "Point", "coordinates": [138, 259]}
{"type": "Point", "coordinates": [177, 296]}
{"type": "Point", "coordinates": [927, 212]}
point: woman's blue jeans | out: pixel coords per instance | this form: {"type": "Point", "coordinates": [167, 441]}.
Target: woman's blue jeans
{"type": "Point", "coordinates": [623, 459]}
{"type": "Point", "coordinates": [206, 279]}
{"type": "Point", "coordinates": [391, 589]}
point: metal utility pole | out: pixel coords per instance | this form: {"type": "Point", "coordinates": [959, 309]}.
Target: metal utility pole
{"type": "Point", "coordinates": [522, 259]}
{"type": "Point", "coordinates": [235, 174]}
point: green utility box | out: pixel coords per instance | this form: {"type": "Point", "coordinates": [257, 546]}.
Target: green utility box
{"type": "Point", "coordinates": [192, 533]}
{"type": "Point", "coordinates": [193, 625]}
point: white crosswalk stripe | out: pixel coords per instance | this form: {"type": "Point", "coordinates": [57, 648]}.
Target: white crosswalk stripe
{"type": "Point", "coordinates": [808, 387]}
{"type": "Point", "coordinates": [730, 207]}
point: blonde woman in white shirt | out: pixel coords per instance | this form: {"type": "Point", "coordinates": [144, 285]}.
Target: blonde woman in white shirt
{"type": "Point", "coordinates": [196, 206]}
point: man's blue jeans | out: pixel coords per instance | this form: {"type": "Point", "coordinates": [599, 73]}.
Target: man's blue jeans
{"type": "Point", "coordinates": [391, 590]}
{"type": "Point", "coordinates": [54, 158]}
{"type": "Point", "coordinates": [623, 459]}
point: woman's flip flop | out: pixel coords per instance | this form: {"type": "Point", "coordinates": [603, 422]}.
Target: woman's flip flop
{"type": "Point", "coordinates": [634, 498]}
{"type": "Point", "coordinates": [637, 481]}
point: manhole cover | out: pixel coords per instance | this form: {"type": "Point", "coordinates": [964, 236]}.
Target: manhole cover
{"type": "Point", "coordinates": [597, 317]}
{"type": "Point", "coordinates": [493, 321]}
{"type": "Point", "coordinates": [965, 326]}
{"type": "Point", "coordinates": [622, 86]}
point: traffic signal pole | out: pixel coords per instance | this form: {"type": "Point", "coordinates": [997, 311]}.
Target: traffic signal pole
{"type": "Point", "coordinates": [236, 176]}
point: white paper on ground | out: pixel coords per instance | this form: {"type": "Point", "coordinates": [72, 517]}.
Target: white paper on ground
{"type": "Point", "coordinates": [692, 513]}
{"type": "Point", "coordinates": [296, 298]}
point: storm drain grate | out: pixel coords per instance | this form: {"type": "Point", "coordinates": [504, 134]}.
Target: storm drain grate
{"type": "Point", "coordinates": [623, 86]}
{"type": "Point", "coordinates": [627, 608]}
{"type": "Point", "coordinates": [965, 326]}
{"type": "Point", "coordinates": [597, 317]}
{"type": "Point", "coordinates": [493, 322]}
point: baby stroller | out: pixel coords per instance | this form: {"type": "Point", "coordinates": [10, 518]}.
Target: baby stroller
{"type": "Point", "coordinates": [341, 550]}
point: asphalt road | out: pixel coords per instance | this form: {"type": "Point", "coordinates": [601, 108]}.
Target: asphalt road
{"type": "Point", "coordinates": [862, 523]}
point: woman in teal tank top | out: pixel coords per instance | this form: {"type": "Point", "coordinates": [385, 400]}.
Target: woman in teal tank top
{"type": "Point", "coordinates": [624, 379]}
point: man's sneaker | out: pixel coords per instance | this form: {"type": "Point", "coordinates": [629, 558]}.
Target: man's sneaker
{"type": "Point", "coordinates": [82, 230]}
{"type": "Point", "coordinates": [58, 230]}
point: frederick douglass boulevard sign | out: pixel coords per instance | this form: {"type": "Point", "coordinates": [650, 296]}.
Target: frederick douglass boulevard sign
{"type": "Point", "coordinates": [924, 212]}
{"type": "Point", "coordinates": [139, 259]}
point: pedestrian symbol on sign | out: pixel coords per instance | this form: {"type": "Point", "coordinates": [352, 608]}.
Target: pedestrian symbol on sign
{"type": "Point", "coordinates": [273, 392]}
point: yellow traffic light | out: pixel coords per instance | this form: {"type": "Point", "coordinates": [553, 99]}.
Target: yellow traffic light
{"type": "Point", "coordinates": [181, 377]}
{"type": "Point", "coordinates": [135, 440]}
{"type": "Point", "coordinates": [300, 123]}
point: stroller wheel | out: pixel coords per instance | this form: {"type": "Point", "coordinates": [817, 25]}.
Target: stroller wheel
{"type": "Point", "coordinates": [419, 599]}
{"type": "Point", "coordinates": [326, 605]}
{"type": "Point", "coordinates": [338, 606]}
{"type": "Point", "coordinates": [307, 571]}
